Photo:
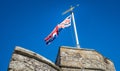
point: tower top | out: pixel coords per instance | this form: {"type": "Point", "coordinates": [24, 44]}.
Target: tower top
{"type": "Point", "coordinates": [82, 60]}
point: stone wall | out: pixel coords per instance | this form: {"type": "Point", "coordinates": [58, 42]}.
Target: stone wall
{"type": "Point", "coordinates": [73, 59]}
{"type": "Point", "coordinates": [68, 59]}
{"type": "Point", "coordinates": [25, 60]}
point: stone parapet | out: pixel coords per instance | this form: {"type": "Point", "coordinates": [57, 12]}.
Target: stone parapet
{"type": "Point", "coordinates": [74, 59]}
{"type": "Point", "coordinates": [25, 60]}
{"type": "Point", "coordinates": [68, 59]}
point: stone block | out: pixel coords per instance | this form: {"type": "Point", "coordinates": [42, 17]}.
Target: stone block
{"type": "Point", "coordinates": [77, 59]}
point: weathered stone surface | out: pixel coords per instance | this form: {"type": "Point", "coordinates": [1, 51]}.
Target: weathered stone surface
{"type": "Point", "coordinates": [75, 69]}
{"type": "Point", "coordinates": [25, 60]}
{"type": "Point", "coordinates": [69, 59]}
{"type": "Point", "coordinates": [73, 59]}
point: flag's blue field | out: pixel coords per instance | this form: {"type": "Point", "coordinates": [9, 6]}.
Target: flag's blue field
{"type": "Point", "coordinates": [26, 23]}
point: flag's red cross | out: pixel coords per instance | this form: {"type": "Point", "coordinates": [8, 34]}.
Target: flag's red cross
{"type": "Point", "coordinates": [67, 21]}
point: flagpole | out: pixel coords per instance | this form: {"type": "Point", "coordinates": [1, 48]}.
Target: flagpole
{"type": "Point", "coordinates": [75, 31]}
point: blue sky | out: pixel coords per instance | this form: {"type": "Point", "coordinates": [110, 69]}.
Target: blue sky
{"type": "Point", "coordinates": [26, 23]}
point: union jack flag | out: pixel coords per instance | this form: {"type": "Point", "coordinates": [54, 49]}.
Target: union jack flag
{"type": "Point", "coordinates": [65, 23]}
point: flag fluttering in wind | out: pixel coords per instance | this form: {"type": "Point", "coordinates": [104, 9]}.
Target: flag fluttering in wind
{"type": "Point", "coordinates": [65, 23]}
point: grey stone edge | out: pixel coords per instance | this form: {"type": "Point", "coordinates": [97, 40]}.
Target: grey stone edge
{"type": "Point", "coordinates": [28, 53]}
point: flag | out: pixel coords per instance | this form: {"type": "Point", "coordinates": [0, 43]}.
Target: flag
{"type": "Point", "coordinates": [65, 23]}
{"type": "Point", "coordinates": [52, 36]}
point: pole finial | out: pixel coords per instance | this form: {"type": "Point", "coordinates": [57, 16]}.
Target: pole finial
{"type": "Point", "coordinates": [70, 9]}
